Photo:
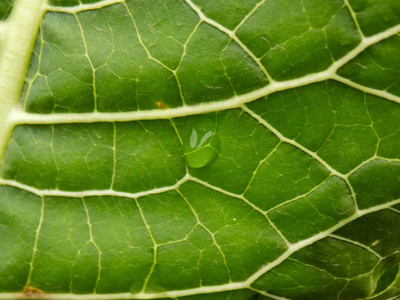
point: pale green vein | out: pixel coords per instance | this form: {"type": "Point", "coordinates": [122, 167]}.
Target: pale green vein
{"type": "Point", "coordinates": [354, 16]}
{"type": "Point", "coordinates": [146, 281]}
{"type": "Point", "coordinates": [375, 157]}
{"type": "Point", "coordinates": [232, 35]}
{"type": "Point", "coordinates": [365, 43]}
{"type": "Point", "coordinates": [181, 60]}
{"type": "Point", "coordinates": [246, 17]}
{"type": "Point", "coordinates": [300, 196]}
{"type": "Point", "coordinates": [395, 210]}
{"type": "Point", "coordinates": [215, 188]}
{"type": "Point", "coordinates": [258, 167]}
{"type": "Point", "coordinates": [54, 156]}
{"type": "Point", "coordinates": [90, 62]}
{"type": "Point", "coordinates": [35, 248]}
{"type": "Point", "coordinates": [114, 149]}
{"type": "Point", "coordinates": [268, 294]}
{"type": "Point", "coordinates": [17, 116]}
{"type": "Point", "coordinates": [184, 53]}
{"type": "Point", "coordinates": [372, 125]}
{"type": "Point", "coordinates": [241, 197]}
{"type": "Point", "coordinates": [369, 249]}
{"type": "Point", "coordinates": [377, 295]}
{"type": "Point", "coordinates": [141, 41]}
{"type": "Point", "coordinates": [352, 192]}
{"type": "Point", "coordinates": [363, 164]}
{"type": "Point", "coordinates": [89, 193]}
{"type": "Point", "coordinates": [368, 90]}
{"type": "Point", "coordinates": [310, 266]}
{"type": "Point", "coordinates": [209, 232]}
{"type": "Point", "coordinates": [94, 244]}
{"type": "Point", "coordinates": [343, 289]}
{"type": "Point", "coordinates": [304, 149]}
{"type": "Point", "coordinates": [221, 58]}
{"type": "Point", "coordinates": [292, 142]}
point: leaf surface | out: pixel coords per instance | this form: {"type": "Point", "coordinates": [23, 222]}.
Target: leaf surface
{"type": "Point", "coordinates": [200, 149]}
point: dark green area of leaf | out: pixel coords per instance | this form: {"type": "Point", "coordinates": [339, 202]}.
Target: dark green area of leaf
{"type": "Point", "coordinates": [71, 2]}
{"type": "Point", "coordinates": [376, 15]}
{"type": "Point", "coordinates": [5, 8]}
{"type": "Point", "coordinates": [386, 280]}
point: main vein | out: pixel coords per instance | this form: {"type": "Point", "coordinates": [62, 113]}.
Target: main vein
{"type": "Point", "coordinates": [22, 26]}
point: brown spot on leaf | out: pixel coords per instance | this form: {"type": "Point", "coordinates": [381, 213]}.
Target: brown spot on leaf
{"type": "Point", "coordinates": [34, 293]}
{"type": "Point", "coordinates": [161, 105]}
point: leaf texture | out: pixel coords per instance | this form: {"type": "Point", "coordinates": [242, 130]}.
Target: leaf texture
{"type": "Point", "coordinates": [198, 149]}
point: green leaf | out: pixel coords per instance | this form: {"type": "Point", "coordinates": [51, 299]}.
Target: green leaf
{"type": "Point", "coordinates": [198, 149]}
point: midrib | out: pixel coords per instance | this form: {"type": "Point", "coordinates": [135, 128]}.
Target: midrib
{"type": "Point", "coordinates": [19, 36]}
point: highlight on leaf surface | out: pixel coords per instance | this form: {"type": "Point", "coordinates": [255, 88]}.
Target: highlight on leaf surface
{"type": "Point", "coordinates": [198, 149]}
